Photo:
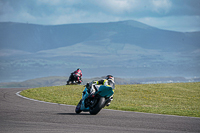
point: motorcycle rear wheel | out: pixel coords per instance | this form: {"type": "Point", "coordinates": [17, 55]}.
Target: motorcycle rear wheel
{"type": "Point", "coordinates": [95, 110]}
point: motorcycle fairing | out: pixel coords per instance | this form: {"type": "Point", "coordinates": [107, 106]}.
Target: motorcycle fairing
{"type": "Point", "coordinates": [105, 91]}
{"type": "Point", "coordinates": [84, 96]}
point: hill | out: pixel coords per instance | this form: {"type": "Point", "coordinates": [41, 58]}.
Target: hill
{"type": "Point", "coordinates": [127, 49]}
{"type": "Point", "coordinates": [57, 81]}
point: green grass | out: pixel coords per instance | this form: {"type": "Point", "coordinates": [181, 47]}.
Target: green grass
{"type": "Point", "coordinates": [181, 99]}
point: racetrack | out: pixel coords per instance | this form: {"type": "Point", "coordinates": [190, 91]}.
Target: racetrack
{"type": "Point", "coordinates": [19, 115]}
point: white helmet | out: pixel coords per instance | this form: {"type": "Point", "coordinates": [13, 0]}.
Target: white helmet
{"type": "Point", "coordinates": [110, 77]}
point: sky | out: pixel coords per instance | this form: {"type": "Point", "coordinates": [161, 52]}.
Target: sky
{"type": "Point", "coordinates": [175, 15]}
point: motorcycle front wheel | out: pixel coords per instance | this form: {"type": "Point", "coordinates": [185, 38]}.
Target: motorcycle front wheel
{"type": "Point", "coordinates": [78, 108]}
{"type": "Point", "coordinates": [68, 82]}
{"type": "Point", "coordinates": [99, 105]}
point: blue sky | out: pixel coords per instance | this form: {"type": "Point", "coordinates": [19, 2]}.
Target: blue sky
{"type": "Point", "coordinates": [176, 15]}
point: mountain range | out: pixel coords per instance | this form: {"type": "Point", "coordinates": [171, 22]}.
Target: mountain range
{"type": "Point", "coordinates": [124, 49]}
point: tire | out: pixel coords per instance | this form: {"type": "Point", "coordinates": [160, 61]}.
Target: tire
{"type": "Point", "coordinates": [68, 82]}
{"type": "Point", "coordinates": [78, 108]}
{"type": "Point", "coordinates": [98, 106]}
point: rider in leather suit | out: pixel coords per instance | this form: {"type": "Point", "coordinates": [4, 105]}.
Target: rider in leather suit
{"type": "Point", "coordinates": [94, 86]}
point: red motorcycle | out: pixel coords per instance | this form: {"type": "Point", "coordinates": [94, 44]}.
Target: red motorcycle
{"type": "Point", "coordinates": [74, 78]}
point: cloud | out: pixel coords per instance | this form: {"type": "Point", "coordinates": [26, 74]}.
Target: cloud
{"type": "Point", "coordinates": [11, 52]}
{"type": "Point", "coordinates": [134, 6]}
{"type": "Point", "coordinates": [5, 8]}
{"type": "Point", "coordinates": [116, 6]}
{"type": "Point", "coordinates": [48, 12]}
{"type": "Point", "coordinates": [161, 6]}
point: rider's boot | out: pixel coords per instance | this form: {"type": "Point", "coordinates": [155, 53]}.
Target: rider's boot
{"type": "Point", "coordinates": [111, 98]}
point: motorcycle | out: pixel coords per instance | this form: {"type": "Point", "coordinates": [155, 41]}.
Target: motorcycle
{"type": "Point", "coordinates": [73, 80]}
{"type": "Point", "coordinates": [95, 102]}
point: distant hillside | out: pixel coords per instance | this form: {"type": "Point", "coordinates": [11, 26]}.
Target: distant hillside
{"type": "Point", "coordinates": [127, 49]}
{"type": "Point", "coordinates": [34, 38]}
{"type": "Point", "coordinates": [58, 81]}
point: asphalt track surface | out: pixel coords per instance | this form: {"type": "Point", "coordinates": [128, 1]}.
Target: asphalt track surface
{"type": "Point", "coordinates": [20, 115]}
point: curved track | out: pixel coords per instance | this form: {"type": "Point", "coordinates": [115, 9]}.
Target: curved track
{"type": "Point", "coordinates": [19, 115]}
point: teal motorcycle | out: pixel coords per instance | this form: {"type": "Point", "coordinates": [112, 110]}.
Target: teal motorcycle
{"type": "Point", "coordinates": [95, 102]}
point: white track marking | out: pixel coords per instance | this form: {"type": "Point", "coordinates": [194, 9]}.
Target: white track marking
{"type": "Point", "coordinates": [18, 94]}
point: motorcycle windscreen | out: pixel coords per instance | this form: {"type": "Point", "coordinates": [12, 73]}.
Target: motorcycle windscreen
{"type": "Point", "coordinates": [105, 91]}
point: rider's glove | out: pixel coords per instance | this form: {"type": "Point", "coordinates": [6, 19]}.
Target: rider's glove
{"type": "Point", "coordinates": [95, 82]}
{"type": "Point", "coordinates": [87, 85]}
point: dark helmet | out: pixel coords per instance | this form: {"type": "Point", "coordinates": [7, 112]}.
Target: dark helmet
{"type": "Point", "coordinates": [110, 77]}
{"type": "Point", "coordinates": [78, 69]}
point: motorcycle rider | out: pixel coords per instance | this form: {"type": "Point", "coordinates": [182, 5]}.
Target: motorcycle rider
{"type": "Point", "coordinates": [78, 74]}
{"type": "Point", "coordinates": [94, 86]}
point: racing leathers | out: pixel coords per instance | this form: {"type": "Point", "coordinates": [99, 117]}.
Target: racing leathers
{"type": "Point", "coordinates": [77, 75]}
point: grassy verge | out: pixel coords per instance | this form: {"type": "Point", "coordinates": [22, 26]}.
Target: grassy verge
{"type": "Point", "coordinates": [174, 99]}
